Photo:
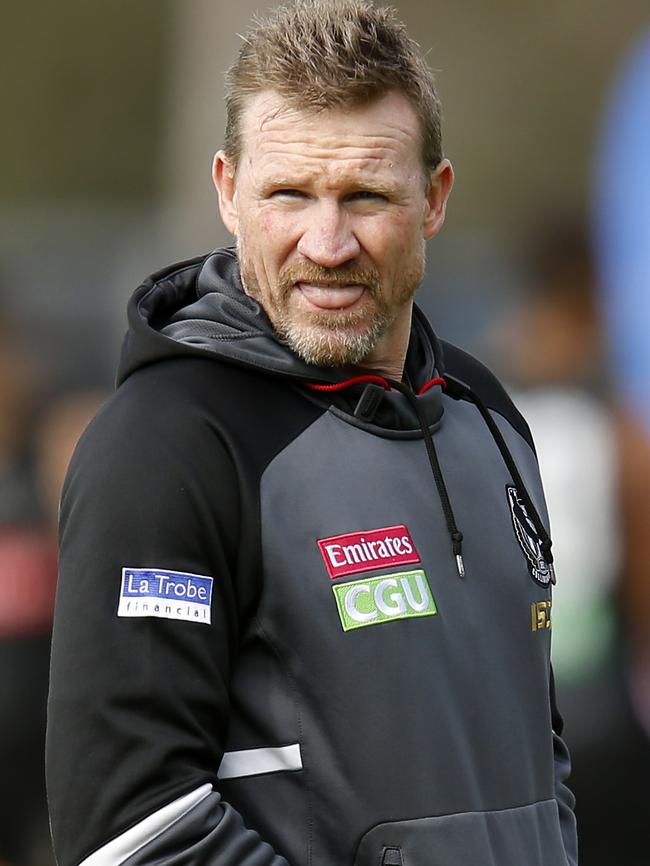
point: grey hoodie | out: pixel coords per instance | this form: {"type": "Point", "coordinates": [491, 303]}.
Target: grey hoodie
{"type": "Point", "coordinates": [303, 614]}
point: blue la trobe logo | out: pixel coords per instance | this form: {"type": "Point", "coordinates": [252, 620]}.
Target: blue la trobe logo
{"type": "Point", "coordinates": [165, 594]}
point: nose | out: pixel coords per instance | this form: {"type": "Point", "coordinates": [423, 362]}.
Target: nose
{"type": "Point", "coordinates": [328, 239]}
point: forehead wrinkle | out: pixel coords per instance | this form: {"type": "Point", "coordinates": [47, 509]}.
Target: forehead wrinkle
{"type": "Point", "coordinates": [324, 140]}
{"type": "Point", "coordinates": [363, 172]}
{"type": "Point", "coordinates": [325, 158]}
{"type": "Point", "coordinates": [274, 127]}
{"type": "Point", "coordinates": [288, 146]}
{"type": "Point", "coordinates": [321, 150]}
{"type": "Point", "coordinates": [295, 158]}
{"type": "Point", "coordinates": [310, 132]}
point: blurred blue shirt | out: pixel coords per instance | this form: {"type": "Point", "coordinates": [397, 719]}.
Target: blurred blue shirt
{"type": "Point", "coordinates": [622, 223]}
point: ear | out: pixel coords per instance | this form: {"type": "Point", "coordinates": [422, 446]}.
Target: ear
{"type": "Point", "coordinates": [223, 176]}
{"type": "Point", "coordinates": [442, 180]}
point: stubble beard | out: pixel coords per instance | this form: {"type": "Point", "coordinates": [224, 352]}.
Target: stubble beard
{"type": "Point", "coordinates": [332, 338]}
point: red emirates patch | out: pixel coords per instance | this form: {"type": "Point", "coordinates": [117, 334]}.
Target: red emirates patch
{"type": "Point", "coordinates": [364, 551]}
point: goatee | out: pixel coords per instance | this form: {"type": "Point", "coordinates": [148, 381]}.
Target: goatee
{"type": "Point", "coordinates": [329, 338]}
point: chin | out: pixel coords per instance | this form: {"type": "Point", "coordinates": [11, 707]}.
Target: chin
{"type": "Point", "coordinates": [327, 347]}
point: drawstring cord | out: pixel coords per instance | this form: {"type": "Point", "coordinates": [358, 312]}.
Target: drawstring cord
{"type": "Point", "coordinates": [454, 533]}
{"type": "Point", "coordinates": [437, 381]}
{"type": "Point", "coordinates": [456, 390]}
{"type": "Point", "coordinates": [346, 383]}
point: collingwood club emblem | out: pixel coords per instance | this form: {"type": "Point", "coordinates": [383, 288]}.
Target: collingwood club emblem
{"type": "Point", "coordinates": [539, 569]}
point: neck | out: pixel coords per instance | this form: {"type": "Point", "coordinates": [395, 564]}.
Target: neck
{"type": "Point", "coordinates": [388, 370]}
{"type": "Point", "coordinates": [389, 355]}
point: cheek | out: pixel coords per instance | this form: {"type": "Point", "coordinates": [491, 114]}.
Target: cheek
{"type": "Point", "coordinates": [266, 222]}
{"type": "Point", "coordinates": [278, 232]}
{"type": "Point", "coordinates": [389, 241]}
{"type": "Point", "coordinates": [268, 239]}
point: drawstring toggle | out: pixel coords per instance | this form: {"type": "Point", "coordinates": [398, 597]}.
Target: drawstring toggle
{"type": "Point", "coordinates": [457, 539]}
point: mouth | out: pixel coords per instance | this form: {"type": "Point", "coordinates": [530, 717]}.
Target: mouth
{"type": "Point", "coordinates": [324, 296]}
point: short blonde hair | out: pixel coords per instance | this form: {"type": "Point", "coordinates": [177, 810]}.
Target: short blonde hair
{"type": "Point", "coordinates": [321, 54]}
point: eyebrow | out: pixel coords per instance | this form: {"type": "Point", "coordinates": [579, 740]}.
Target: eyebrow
{"type": "Point", "coordinates": [352, 185]}
{"type": "Point", "coordinates": [280, 180]}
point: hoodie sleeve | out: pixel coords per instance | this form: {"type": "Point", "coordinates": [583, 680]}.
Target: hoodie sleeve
{"type": "Point", "coordinates": [138, 707]}
{"type": "Point", "coordinates": [563, 796]}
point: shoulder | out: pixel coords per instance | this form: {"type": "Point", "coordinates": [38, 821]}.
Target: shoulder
{"type": "Point", "coordinates": [151, 464]}
{"type": "Point", "coordinates": [461, 365]}
{"type": "Point", "coordinates": [200, 417]}
{"type": "Point", "coordinates": [157, 402]}
{"type": "Point", "coordinates": [153, 432]}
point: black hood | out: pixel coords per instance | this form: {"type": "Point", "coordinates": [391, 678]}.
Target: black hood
{"type": "Point", "coordinates": [198, 307]}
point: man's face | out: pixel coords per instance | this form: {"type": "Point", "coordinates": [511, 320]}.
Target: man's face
{"type": "Point", "coordinates": [330, 211]}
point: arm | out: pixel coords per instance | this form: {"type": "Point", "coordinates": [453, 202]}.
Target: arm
{"type": "Point", "coordinates": [139, 706]}
{"type": "Point", "coordinates": [564, 797]}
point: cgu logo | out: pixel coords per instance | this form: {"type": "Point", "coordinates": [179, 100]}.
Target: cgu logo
{"type": "Point", "coordinates": [364, 551]}
{"type": "Point", "coordinates": [380, 599]}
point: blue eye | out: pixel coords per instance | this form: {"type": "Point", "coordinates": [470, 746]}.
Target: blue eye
{"type": "Point", "coordinates": [287, 193]}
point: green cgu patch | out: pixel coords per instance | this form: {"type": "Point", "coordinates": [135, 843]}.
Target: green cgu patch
{"type": "Point", "coordinates": [382, 599]}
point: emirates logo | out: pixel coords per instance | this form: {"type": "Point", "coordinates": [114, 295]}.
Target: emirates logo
{"type": "Point", "coordinates": [354, 552]}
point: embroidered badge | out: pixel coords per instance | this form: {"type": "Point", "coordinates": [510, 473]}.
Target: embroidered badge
{"type": "Point", "coordinates": [540, 615]}
{"type": "Point", "coordinates": [375, 600]}
{"type": "Point", "coordinates": [165, 594]}
{"type": "Point", "coordinates": [528, 539]}
{"type": "Point", "coordinates": [362, 551]}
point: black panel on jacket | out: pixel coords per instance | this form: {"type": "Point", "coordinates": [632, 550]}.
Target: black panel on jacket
{"type": "Point", "coordinates": [481, 381]}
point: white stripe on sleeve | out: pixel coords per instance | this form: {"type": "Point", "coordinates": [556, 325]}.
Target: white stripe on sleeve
{"type": "Point", "coordinates": [253, 762]}
{"type": "Point", "coordinates": [127, 844]}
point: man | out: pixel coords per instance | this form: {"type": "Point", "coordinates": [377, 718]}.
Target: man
{"type": "Point", "coordinates": [274, 643]}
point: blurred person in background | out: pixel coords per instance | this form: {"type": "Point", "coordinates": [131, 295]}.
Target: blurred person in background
{"type": "Point", "coordinates": [27, 581]}
{"type": "Point", "coordinates": [622, 225]}
{"type": "Point", "coordinates": [59, 429]}
{"type": "Point", "coordinates": [595, 462]}
{"type": "Point", "coordinates": [622, 232]}
{"type": "Point", "coordinates": [36, 442]}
